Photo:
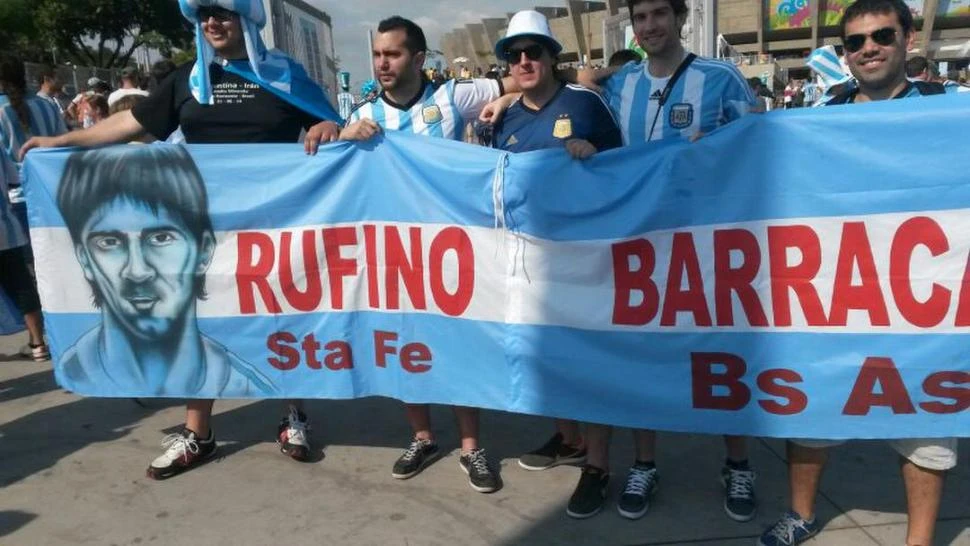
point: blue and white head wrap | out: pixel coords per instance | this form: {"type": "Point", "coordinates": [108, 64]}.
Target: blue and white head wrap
{"type": "Point", "coordinates": [831, 71]}
{"type": "Point", "coordinates": [272, 69]}
{"type": "Point", "coordinates": [826, 63]}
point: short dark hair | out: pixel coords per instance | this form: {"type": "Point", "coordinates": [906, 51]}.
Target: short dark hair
{"type": "Point", "coordinates": [679, 6]}
{"type": "Point", "coordinates": [157, 175]}
{"type": "Point", "coordinates": [864, 7]}
{"type": "Point", "coordinates": [624, 56]}
{"type": "Point", "coordinates": [44, 74]}
{"type": "Point", "coordinates": [916, 66]}
{"type": "Point", "coordinates": [414, 37]}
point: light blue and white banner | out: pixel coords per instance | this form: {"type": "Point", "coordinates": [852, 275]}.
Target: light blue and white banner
{"type": "Point", "coordinates": [798, 274]}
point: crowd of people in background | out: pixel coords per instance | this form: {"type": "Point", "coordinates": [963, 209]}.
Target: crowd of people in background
{"type": "Point", "coordinates": [806, 92]}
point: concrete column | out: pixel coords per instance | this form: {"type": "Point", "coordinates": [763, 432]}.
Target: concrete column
{"type": "Point", "coordinates": [493, 28]}
{"type": "Point", "coordinates": [575, 9]}
{"type": "Point", "coordinates": [816, 23]}
{"type": "Point", "coordinates": [612, 6]}
{"type": "Point", "coordinates": [762, 22]}
{"type": "Point", "coordinates": [930, 8]}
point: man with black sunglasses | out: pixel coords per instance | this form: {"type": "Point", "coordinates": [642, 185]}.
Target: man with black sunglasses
{"type": "Point", "coordinates": [237, 91]}
{"type": "Point", "coordinates": [550, 112]}
{"type": "Point", "coordinates": [875, 37]}
{"type": "Point", "coordinates": [672, 94]}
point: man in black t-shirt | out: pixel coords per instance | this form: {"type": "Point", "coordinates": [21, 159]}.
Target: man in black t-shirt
{"type": "Point", "coordinates": [241, 111]}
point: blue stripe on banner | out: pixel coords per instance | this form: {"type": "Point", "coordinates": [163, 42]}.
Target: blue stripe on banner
{"type": "Point", "coordinates": [285, 188]}
{"type": "Point", "coordinates": [628, 379]}
{"type": "Point", "coordinates": [720, 179]}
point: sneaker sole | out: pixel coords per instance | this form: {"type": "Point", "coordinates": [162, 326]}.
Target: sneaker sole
{"type": "Point", "coordinates": [159, 474]}
{"type": "Point", "coordinates": [473, 486]}
{"type": "Point", "coordinates": [559, 462]}
{"type": "Point", "coordinates": [641, 513]}
{"type": "Point", "coordinates": [295, 454]}
{"type": "Point", "coordinates": [808, 537]}
{"type": "Point", "coordinates": [740, 518]}
{"type": "Point", "coordinates": [427, 461]}
{"type": "Point", "coordinates": [577, 515]}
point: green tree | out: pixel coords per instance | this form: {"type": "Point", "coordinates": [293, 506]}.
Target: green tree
{"type": "Point", "coordinates": [103, 33]}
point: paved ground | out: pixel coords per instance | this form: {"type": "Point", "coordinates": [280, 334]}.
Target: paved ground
{"type": "Point", "coordinates": [72, 472]}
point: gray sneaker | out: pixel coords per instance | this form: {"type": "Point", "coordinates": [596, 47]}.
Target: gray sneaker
{"type": "Point", "coordinates": [552, 453]}
{"type": "Point", "coordinates": [739, 500]}
{"type": "Point", "coordinates": [641, 484]}
{"type": "Point", "coordinates": [480, 475]}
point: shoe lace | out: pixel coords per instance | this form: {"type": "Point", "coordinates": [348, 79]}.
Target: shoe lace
{"type": "Point", "coordinates": [296, 428]}
{"type": "Point", "coordinates": [412, 451]}
{"type": "Point", "coordinates": [740, 483]}
{"type": "Point", "coordinates": [477, 460]}
{"type": "Point", "coordinates": [177, 445]}
{"type": "Point", "coordinates": [784, 530]}
{"type": "Point", "coordinates": [639, 481]}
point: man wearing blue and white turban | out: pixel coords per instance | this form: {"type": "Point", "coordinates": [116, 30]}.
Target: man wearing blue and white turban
{"type": "Point", "coordinates": [236, 91]}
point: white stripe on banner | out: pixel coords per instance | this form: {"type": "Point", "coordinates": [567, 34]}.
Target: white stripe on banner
{"type": "Point", "coordinates": [805, 275]}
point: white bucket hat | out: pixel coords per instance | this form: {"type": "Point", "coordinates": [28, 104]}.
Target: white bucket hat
{"type": "Point", "coordinates": [528, 24]}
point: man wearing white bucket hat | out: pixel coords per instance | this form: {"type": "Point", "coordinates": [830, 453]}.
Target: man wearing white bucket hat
{"type": "Point", "coordinates": [672, 94]}
{"type": "Point", "coordinates": [550, 114]}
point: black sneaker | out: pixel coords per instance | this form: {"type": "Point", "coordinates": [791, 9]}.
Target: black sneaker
{"type": "Point", "coordinates": [641, 484]}
{"type": "Point", "coordinates": [418, 455]}
{"type": "Point", "coordinates": [590, 493]}
{"type": "Point", "coordinates": [183, 451]}
{"type": "Point", "coordinates": [552, 453]}
{"type": "Point", "coordinates": [480, 476]}
{"type": "Point", "coordinates": [292, 435]}
{"type": "Point", "coordinates": [739, 500]}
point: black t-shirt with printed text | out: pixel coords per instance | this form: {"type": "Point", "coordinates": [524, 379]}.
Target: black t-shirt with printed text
{"type": "Point", "coordinates": [243, 111]}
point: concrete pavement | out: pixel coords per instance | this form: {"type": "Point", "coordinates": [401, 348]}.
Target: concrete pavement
{"type": "Point", "coordinates": [72, 473]}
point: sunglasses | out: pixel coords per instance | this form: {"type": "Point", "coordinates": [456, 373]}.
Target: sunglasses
{"type": "Point", "coordinates": [219, 14]}
{"type": "Point", "coordinates": [533, 52]}
{"type": "Point", "coordinates": [884, 37]}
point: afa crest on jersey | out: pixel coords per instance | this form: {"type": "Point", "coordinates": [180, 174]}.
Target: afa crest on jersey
{"type": "Point", "coordinates": [563, 128]}
{"type": "Point", "coordinates": [681, 115]}
{"type": "Point", "coordinates": [431, 115]}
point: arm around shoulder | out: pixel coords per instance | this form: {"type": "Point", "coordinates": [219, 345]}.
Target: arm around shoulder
{"type": "Point", "coordinates": [121, 127]}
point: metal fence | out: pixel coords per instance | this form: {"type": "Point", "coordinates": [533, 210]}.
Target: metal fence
{"type": "Point", "coordinates": [73, 77]}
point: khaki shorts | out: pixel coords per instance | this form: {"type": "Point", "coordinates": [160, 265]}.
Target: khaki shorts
{"type": "Point", "coordinates": [929, 453]}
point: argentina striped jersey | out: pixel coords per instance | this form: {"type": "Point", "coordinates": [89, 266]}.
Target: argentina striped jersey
{"type": "Point", "coordinates": [707, 95]}
{"type": "Point", "coordinates": [438, 111]}
{"type": "Point", "coordinates": [45, 120]}
{"type": "Point", "coordinates": [11, 233]}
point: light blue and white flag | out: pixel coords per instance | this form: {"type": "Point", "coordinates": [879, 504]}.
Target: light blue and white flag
{"type": "Point", "coordinates": [669, 285]}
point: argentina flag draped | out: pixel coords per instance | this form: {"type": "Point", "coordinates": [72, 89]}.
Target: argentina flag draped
{"type": "Point", "coordinates": [803, 274]}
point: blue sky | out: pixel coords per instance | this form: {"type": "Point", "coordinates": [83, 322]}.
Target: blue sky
{"type": "Point", "coordinates": [352, 18]}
